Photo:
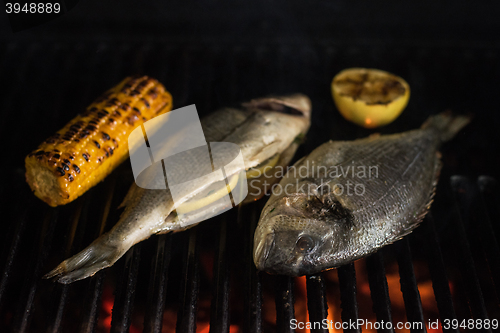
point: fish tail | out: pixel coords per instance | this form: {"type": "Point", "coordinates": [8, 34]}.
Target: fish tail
{"type": "Point", "coordinates": [100, 254]}
{"type": "Point", "coordinates": [446, 124]}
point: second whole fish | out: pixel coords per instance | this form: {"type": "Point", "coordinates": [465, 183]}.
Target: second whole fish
{"type": "Point", "coordinates": [264, 129]}
{"type": "Point", "coordinates": [349, 198]}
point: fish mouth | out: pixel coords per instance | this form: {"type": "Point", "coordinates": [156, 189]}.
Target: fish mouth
{"type": "Point", "coordinates": [262, 251]}
{"type": "Point", "coordinates": [296, 104]}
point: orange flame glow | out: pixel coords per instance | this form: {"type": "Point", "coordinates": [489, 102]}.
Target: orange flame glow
{"type": "Point", "coordinates": [300, 306]}
{"type": "Point", "coordinates": [108, 300]}
{"type": "Point", "coordinates": [364, 298]}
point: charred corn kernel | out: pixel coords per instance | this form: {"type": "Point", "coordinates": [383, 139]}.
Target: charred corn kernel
{"type": "Point", "coordinates": [91, 145]}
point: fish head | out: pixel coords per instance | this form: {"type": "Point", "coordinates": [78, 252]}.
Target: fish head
{"type": "Point", "coordinates": [301, 234]}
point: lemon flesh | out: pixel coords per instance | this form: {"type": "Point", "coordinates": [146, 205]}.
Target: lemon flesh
{"type": "Point", "coordinates": [211, 197]}
{"type": "Point", "coordinates": [369, 97]}
{"type": "Point", "coordinates": [259, 170]}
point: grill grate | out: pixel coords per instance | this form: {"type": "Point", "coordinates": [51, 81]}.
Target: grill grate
{"type": "Point", "coordinates": [48, 79]}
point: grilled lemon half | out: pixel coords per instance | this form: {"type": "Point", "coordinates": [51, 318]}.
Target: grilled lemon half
{"type": "Point", "coordinates": [369, 97]}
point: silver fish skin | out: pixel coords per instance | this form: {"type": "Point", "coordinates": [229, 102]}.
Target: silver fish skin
{"type": "Point", "coordinates": [349, 198]}
{"type": "Point", "coordinates": [262, 128]}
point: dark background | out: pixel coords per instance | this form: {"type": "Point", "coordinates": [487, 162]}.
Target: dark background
{"type": "Point", "coordinates": [222, 52]}
{"type": "Point", "coordinates": [219, 53]}
{"type": "Point", "coordinates": [448, 22]}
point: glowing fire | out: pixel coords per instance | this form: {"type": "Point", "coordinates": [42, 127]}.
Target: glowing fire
{"type": "Point", "coordinates": [300, 294]}
{"type": "Point", "coordinates": [206, 328]}
{"type": "Point", "coordinates": [364, 297]}
{"type": "Point", "coordinates": [108, 300]}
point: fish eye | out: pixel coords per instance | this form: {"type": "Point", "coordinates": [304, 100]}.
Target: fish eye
{"type": "Point", "coordinates": [305, 244]}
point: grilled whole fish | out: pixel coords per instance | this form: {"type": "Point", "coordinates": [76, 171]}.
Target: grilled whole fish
{"type": "Point", "coordinates": [349, 198]}
{"type": "Point", "coordinates": [263, 129]}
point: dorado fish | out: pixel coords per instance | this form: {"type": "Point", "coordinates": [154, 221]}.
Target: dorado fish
{"type": "Point", "coordinates": [266, 130]}
{"type": "Point", "coordinates": [349, 198]}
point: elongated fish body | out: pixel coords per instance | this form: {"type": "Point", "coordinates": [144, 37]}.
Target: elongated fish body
{"type": "Point", "coordinates": [262, 128]}
{"type": "Point", "coordinates": [349, 198]}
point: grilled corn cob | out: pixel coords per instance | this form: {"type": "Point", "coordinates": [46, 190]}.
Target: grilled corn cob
{"type": "Point", "coordinates": [91, 145]}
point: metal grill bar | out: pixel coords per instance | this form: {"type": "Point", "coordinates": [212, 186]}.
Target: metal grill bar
{"type": "Point", "coordinates": [348, 292]}
{"type": "Point", "coordinates": [186, 316]}
{"type": "Point", "coordinates": [253, 288]}
{"type": "Point", "coordinates": [125, 291]}
{"type": "Point", "coordinates": [379, 289]}
{"type": "Point", "coordinates": [316, 301]}
{"type": "Point", "coordinates": [438, 273]}
{"type": "Point", "coordinates": [153, 319]}
{"type": "Point", "coordinates": [219, 308]}
{"type": "Point", "coordinates": [466, 261]}
{"type": "Point", "coordinates": [13, 250]}
{"type": "Point", "coordinates": [491, 200]}
{"type": "Point", "coordinates": [284, 303]}
{"type": "Point", "coordinates": [487, 233]}
{"type": "Point", "coordinates": [92, 304]}
{"type": "Point", "coordinates": [38, 256]}
{"type": "Point", "coordinates": [71, 247]}
{"type": "Point", "coordinates": [409, 287]}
